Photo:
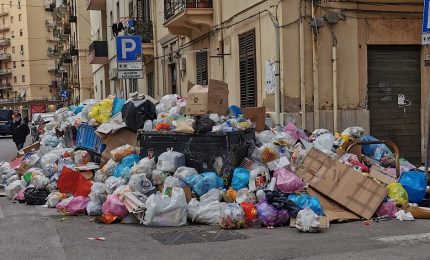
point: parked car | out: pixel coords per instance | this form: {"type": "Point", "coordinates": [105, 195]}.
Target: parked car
{"type": "Point", "coordinates": [6, 120]}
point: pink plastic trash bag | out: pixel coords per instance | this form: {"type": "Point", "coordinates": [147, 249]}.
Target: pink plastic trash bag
{"type": "Point", "coordinates": [77, 205]}
{"type": "Point", "coordinates": [114, 206]}
{"type": "Point", "coordinates": [20, 196]}
{"type": "Point", "coordinates": [295, 132]}
{"type": "Point", "coordinates": [287, 181]}
{"type": "Point", "coordinates": [387, 209]}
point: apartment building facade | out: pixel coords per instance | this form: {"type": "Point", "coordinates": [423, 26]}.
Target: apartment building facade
{"type": "Point", "coordinates": [338, 63]}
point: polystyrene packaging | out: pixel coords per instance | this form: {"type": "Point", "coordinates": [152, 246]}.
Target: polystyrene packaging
{"type": "Point", "coordinates": [170, 161]}
{"type": "Point", "coordinates": [118, 153]}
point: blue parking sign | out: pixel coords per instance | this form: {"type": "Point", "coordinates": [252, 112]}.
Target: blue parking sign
{"type": "Point", "coordinates": [128, 48]}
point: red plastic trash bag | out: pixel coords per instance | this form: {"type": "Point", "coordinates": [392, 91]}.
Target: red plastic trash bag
{"type": "Point", "coordinates": [71, 181]}
{"type": "Point", "coordinates": [114, 206]}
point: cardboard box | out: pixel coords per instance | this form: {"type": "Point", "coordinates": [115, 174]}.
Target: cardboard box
{"type": "Point", "coordinates": [256, 115]}
{"type": "Point", "coordinates": [122, 137]}
{"type": "Point", "coordinates": [208, 99]}
{"type": "Point", "coordinates": [342, 184]}
{"type": "Point", "coordinates": [376, 172]}
{"type": "Point", "coordinates": [35, 147]}
{"type": "Point", "coordinates": [332, 210]}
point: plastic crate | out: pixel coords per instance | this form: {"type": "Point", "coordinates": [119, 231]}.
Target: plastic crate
{"type": "Point", "coordinates": [88, 139]}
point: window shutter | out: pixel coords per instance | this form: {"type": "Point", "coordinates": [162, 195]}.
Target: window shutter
{"type": "Point", "coordinates": [247, 69]}
{"type": "Point", "coordinates": [202, 67]}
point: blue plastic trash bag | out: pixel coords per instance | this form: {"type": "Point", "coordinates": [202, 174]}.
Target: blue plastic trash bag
{"type": "Point", "coordinates": [126, 162]}
{"type": "Point", "coordinates": [415, 184]}
{"type": "Point", "coordinates": [235, 111]}
{"type": "Point", "coordinates": [240, 178]}
{"type": "Point", "coordinates": [375, 151]}
{"type": "Point", "coordinates": [202, 183]}
{"type": "Point", "coordinates": [118, 103]}
{"type": "Point", "coordinates": [78, 109]}
{"type": "Point", "coordinates": [306, 201]}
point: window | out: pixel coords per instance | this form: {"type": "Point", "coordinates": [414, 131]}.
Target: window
{"type": "Point", "coordinates": [15, 80]}
{"type": "Point", "coordinates": [14, 64]}
{"type": "Point", "coordinates": [202, 67]}
{"type": "Point", "coordinates": [247, 69]}
{"type": "Point", "coordinates": [144, 10]}
{"type": "Point", "coordinates": [20, 17]}
{"type": "Point", "coordinates": [22, 63]}
{"type": "Point", "coordinates": [20, 32]}
{"type": "Point", "coordinates": [13, 49]}
{"type": "Point", "coordinates": [22, 49]}
{"type": "Point", "coordinates": [19, 4]}
{"type": "Point", "coordinates": [150, 82]}
{"type": "Point", "coordinates": [11, 19]}
{"type": "Point", "coordinates": [23, 78]}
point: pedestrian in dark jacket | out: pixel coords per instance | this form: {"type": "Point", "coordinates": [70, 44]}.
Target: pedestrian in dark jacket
{"type": "Point", "coordinates": [20, 130]}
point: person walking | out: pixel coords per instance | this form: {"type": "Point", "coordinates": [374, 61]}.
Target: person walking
{"type": "Point", "coordinates": [20, 130]}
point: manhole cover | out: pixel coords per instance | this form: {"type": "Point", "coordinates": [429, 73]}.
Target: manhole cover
{"type": "Point", "coordinates": [197, 236]}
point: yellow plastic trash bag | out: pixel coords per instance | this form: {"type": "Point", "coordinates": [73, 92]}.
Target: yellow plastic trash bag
{"type": "Point", "coordinates": [398, 193]}
{"type": "Point", "coordinates": [102, 111]}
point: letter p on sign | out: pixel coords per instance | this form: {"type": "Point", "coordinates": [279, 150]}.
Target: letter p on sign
{"type": "Point", "coordinates": [128, 48]}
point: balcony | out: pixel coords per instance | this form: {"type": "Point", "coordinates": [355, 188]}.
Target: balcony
{"type": "Point", "coordinates": [4, 12]}
{"type": "Point", "coordinates": [98, 52]}
{"type": "Point", "coordinates": [4, 27]}
{"type": "Point", "coordinates": [4, 72]}
{"type": "Point", "coordinates": [183, 17]}
{"type": "Point", "coordinates": [4, 86]}
{"type": "Point", "coordinates": [52, 69]}
{"type": "Point", "coordinates": [51, 38]}
{"type": "Point", "coordinates": [4, 41]}
{"type": "Point", "coordinates": [96, 5]}
{"type": "Point", "coordinates": [53, 53]}
{"type": "Point", "coordinates": [67, 29]}
{"type": "Point", "coordinates": [73, 51]}
{"type": "Point", "coordinates": [4, 56]}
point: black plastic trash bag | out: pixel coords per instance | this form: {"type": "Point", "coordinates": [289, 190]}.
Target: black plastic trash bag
{"type": "Point", "coordinates": [135, 117]}
{"type": "Point", "coordinates": [34, 196]}
{"type": "Point", "coordinates": [204, 124]}
{"type": "Point", "coordinates": [280, 201]}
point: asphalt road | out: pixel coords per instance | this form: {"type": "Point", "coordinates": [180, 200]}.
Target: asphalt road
{"type": "Point", "coordinates": [8, 149]}
{"type": "Point", "coordinates": [35, 232]}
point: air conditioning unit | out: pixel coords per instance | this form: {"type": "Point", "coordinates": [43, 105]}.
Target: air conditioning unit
{"type": "Point", "coordinates": [113, 73]}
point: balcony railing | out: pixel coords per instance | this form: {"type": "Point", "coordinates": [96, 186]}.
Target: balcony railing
{"type": "Point", "coordinates": [51, 38]}
{"type": "Point", "coordinates": [5, 72]}
{"type": "Point", "coordinates": [4, 56]}
{"type": "Point", "coordinates": [145, 30]}
{"type": "Point", "coordinates": [173, 7]}
{"type": "Point", "coordinates": [50, 23]}
{"type": "Point", "coordinates": [53, 53]}
{"type": "Point", "coordinates": [5, 86]}
{"type": "Point", "coordinates": [4, 27]}
{"type": "Point", "coordinates": [4, 41]}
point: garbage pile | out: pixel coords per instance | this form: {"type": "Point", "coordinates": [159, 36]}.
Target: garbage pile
{"type": "Point", "coordinates": [171, 163]}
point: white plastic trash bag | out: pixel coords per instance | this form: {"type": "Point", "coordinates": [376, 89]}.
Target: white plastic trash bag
{"type": "Point", "coordinates": [324, 143]}
{"type": "Point", "coordinates": [170, 161]}
{"type": "Point", "coordinates": [112, 183]}
{"type": "Point", "coordinates": [54, 198]}
{"type": "Point", "coordinates": [307, 221]}
{"type": "Point", "coordinates": [166, 211]}
{"type": "Point", "coordinates": [98, 193]}
{"type": "Point", "coordinates": [145, 165]}
{"type": "Point", "coordinates": [140, 183]}
{"type": "Point", "coordinates": [94, 209]}
{"type": "Point", "coordinates": [207, 212]}
{"type": "Point", "coordinates": [184, 172]}
{"type": "Point", "coordinates": [13, 188]}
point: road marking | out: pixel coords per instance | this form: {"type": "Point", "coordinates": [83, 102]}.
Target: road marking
{"type": "Point", "coordinates": [1, 213]}
{"type": "Point", "coordinates": [405, 240]}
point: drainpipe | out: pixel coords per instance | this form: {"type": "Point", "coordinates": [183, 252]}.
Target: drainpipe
{"type": "Point", "coordinates": [154, 40]}
{"type": "Point", "coordinates": [315, 74]}
{"type": "Point", "coordinates": [278, 75]}
{"type": "Point", "coordinates": [334, 57]}
{"type": "Point", "coordinates": [221, 38]}
{"type": "Point", "coordinates": [302, 75]}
